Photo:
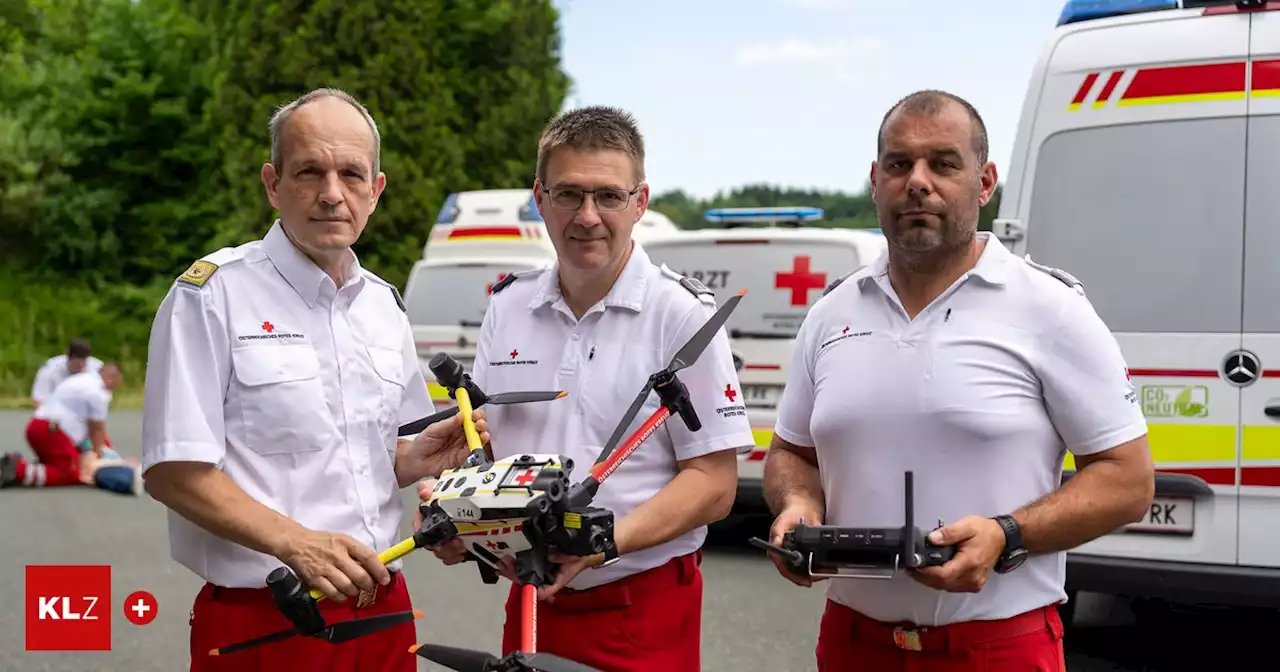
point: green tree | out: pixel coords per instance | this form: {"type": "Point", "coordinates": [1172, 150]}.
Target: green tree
{"type": "Point", "coordinates": [460, 91]}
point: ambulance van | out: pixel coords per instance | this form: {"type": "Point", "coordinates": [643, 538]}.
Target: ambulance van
{"type": "Point", "coordinates": [1146, 164]}
{"type": "Point", "coordinates": [784, 266]}
{"type": "Point", "coordinates": [479, 237]}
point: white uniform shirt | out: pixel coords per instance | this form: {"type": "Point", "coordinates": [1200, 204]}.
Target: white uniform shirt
{"type": "Point", "coordinates": [53, 372]}
{"type": "Point", "coordinates": [980, 396]}
{"type": "Point", "coordinates": [530, 340]}
{"type": "Point", "coordinates": [80, 399]}
{"type": "Point", "coordinates": [293, 387]}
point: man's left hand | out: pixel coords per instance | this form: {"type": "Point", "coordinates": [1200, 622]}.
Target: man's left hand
{"type": "Point", "coordinates": [570, 566]}
{"type": "Point", "coordinates": [441, 446]}
{"type": "Point", "coordinates": [979, 542]}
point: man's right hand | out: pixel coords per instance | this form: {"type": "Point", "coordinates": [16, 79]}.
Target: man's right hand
{"type": "Point", "coordinates": [791, 516]}
{"type": "Point", "coordinates": [454, 551]}
{"type": "Point", "coordinates": [335, 564]}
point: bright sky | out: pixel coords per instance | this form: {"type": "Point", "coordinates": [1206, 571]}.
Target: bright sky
{"type": "Point", "coordinates": [791, 92]}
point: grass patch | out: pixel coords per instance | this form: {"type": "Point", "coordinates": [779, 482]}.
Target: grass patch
{"type": "Point", "coordinates": [39, 315]}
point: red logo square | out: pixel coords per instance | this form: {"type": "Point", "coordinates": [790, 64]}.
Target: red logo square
{"type": "Point", "coordinates": [68, 607]}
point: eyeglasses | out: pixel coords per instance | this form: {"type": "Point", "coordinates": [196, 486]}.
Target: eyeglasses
{"type": "Point", "coordinates": [607, 200]}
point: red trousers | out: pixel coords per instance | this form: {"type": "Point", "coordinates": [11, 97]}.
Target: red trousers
{"type": "Point", "coordinates": [225, 616]}
{"type": "Point", "coordinates": [647, 622]}
{"type": "Point", "coordinates": [1030, 642]}
{"type": "Point", "coordinates": [59, 459]}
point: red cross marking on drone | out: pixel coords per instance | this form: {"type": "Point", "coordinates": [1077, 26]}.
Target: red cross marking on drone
{"type": "Point", "coordinates": [524, 479]}
{"type": "Point", "coordinates": [488, 289]}
{"type": "Point", "coordinates": [800, 280]}
{"type": "Point", "coordinates": [844, 331]}
{"type": "Point", "coordinates": [730, 393]}
{"type": "Point", "coordinates": [492, 545]}
{"type": "Point", "coordinates": [514, 353]}
{"type": "Point", "coordinates": [268, 327]}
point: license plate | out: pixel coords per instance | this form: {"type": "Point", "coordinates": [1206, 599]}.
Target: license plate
{"type": "Point", "coordinates": [1167, 515]}
{"type": "Point", "coordinates": [761, 394]}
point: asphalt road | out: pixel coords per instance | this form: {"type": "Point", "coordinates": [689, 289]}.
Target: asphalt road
{"type": "Point", "coordinates": [753, 620]}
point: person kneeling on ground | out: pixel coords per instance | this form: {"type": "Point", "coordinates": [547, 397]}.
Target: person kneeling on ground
{"type": "Point", "coordinates": [74, 415]}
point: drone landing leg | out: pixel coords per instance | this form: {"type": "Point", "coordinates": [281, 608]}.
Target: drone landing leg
{"type": "Point", "coordinates": [528, 618]}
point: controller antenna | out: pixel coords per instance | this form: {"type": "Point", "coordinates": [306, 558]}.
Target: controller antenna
{"type": "Point", "coordinates": [909, 528]}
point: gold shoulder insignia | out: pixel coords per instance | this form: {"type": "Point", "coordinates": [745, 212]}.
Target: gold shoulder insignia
{"type": "Point", "coordinates": [198, 273]}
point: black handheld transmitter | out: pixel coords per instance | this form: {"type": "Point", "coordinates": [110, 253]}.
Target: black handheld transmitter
{"type": "Point", "coordinates": [831, 551]}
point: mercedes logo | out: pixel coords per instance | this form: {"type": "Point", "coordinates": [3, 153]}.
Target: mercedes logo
{"type": "Point", "coordinates": [1241, 368]}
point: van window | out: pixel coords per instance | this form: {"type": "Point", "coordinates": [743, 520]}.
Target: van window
{"type": "Point", "coordinates": [1150, 218]}
{"type": "Point", "coordinates": [783, 277]}
{"type": "Point", "coordinates": [454, 294]}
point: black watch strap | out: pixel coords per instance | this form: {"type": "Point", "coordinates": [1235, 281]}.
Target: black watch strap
{"type": "Point", "coordinates": [1014, 553]}
{"type": "Point", "coordinates": [610, 554]}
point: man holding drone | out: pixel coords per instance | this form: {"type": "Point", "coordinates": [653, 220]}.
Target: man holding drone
{"type": "Point", "coordinates": [598, 323]}
{"type": "Point", "coordinates": [976, 371]}
{"type": "Point", "coordinates": [278, 374]}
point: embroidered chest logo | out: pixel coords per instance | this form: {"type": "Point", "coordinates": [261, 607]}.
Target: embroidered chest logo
{"type": "Point", "coordinates": [513, 358]}
{"type": "Point", "coordinates": [846, 332]}
{"type": "Point", "coordinates": [267, 330]}
{"type": "Point", "coordinates": [732, 409]}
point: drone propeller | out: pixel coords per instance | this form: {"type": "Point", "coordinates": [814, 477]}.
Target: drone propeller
{"type": "Point", "coordinates": [686, 356]}
{"type": "Point", "coordinates": [467, 660]}
{"type": "Point", "coordinates": [500, 398]}
{"type": "Point", "coordinates": [335, 634]}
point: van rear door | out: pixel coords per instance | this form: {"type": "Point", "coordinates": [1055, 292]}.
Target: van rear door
{"type": "Point", "coordinates": [1260, 396]}
{"type": "Point", "coordinates": [446, 303]}
{"type": "Point", "coordinates": [1133, 180]}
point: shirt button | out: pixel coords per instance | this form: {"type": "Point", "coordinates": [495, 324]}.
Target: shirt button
{"type": "Point", "coordinates": [576, 336]}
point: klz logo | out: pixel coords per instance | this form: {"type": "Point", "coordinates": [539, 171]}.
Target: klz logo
{"type": "Point", "coordinates": [68, 608]}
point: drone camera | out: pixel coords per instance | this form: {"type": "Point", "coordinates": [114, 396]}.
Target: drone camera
{"type": "Point", "coordinates": [295, 601]}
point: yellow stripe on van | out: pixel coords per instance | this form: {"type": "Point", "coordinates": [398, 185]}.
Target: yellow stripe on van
{"type": "Point", "coordinates": [763, 436]}
{"type": "Point", "coordinates": [1187, 98]}
{"type": "Point", "coordinates": [1261, 442]}
{"type": "Point", "coordinates": [438, 393]}
{"type": "Point", "coordinates": [1182, 444]}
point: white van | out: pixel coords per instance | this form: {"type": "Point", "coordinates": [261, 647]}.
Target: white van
{"type": "Point", "coordinates": [1145, 165]}
{"type": "Point", "coordinates": [479, 237]}
{"type": "Point", "coordinates": [784, 270]}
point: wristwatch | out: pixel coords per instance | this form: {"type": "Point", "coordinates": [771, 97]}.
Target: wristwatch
{"type": "Point", "coordinates": [1014, 553]}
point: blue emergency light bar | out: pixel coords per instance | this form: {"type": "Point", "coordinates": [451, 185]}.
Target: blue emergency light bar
{"type": "Point", "coordinates": [1085, 10]}
{"type": "Point", "coordinates": [778, 214]}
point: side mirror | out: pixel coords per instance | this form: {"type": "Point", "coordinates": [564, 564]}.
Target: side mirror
{"type": "Point", "coordinates": [1008, 230]}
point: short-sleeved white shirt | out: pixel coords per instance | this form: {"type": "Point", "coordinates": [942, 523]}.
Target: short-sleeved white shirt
{"type": "Point", "coordinates": [53, 372]}
{"type": "Point", "coordinates": [530, 340]}
{"type": "Point", "coordinates": [293, 387]}
{"type": "Point", "coordinates": [78, 400]}
{"type": "Point", "coordinates": [980, 396]}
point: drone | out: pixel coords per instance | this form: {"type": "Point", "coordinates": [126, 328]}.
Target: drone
{"type": "Point", "coordinates": [522, 507]}
{"type": "Point", "coordinates": [828, 551]}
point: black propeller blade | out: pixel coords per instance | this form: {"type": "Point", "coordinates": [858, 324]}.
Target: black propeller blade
{"type": "Point", "coordinates": [500, 398]}
{"type": "Point", "coordinates": [687, 355]}
{"type": "Point", "coordinates": [337, 633]}
{"type": "Point", "coordinates": [467, 660]}
{"type": "Point", "coordinates": [523, 397]}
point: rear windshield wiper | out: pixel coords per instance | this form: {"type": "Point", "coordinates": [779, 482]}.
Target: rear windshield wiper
{"type": "Point", "coordinates": [739, 333]}
{"type": "Point", "coordinates": [468, 323]}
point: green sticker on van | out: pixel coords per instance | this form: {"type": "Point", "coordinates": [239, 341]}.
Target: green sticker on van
{"type": "Point", "coordinates": [1175, 401]}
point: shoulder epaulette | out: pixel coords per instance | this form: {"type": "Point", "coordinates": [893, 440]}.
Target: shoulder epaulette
{"type": "Point", "coordinates": [395, 292]}
{"type": "Point", "coordinates": [692, 285]}
{"type": "Point", "coordinates": [198, 273]}
{"type": "Point", "coordinates": [836, 283]}
{"type": "Point", "coordinates": [200, 270]}
{"type": "Point", "coordinates": [1057, 273]}
{"type": "Point", "coordinates": [504, 282]}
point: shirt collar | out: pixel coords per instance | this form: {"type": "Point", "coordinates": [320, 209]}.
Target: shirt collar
{"type": "Point", "coordinates": [300, 272]}
{"type": "Point", "coordinates": [627, 291]}
{"type": "Point", "coordinates": [992, 267]}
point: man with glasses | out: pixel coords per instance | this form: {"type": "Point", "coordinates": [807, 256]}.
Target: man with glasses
{"type": "Point", "coordinates": [597, 323]}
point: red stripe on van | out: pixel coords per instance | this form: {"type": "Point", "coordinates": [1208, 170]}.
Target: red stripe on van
{"type": "Point", "coordinates": [764, 367]}
{"type": "Point", "coordinates": [1174, 373]}
{"type": "Point", "coordinates": [1210, 475]}
{"type": "Point", "coordinates": [1085, 88]}
{"type": "Point", "coordinates": [1266, 75]}
{"type": "Point", "coordinates": [1186, 80]}
{"type": "Point", "coordinates": [1110, 86]}
{"type": "Point", "coordinates": [512, 231]}
{"type": "Point", "coordinates": [1264, 476]}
